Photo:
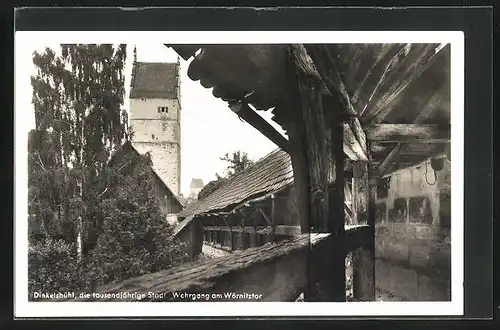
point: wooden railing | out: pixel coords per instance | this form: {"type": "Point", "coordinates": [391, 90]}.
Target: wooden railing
{"type": "Point", "coordinates": [271, 272]}
{"type": "Point", "coordinates": [241, 238]}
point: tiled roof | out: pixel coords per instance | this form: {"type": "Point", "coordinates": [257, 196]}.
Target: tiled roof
{"type": "Point", "coordinates": [269, 174]}
{"type": "Point", "coordinates": [180, 227]}
{"type": "Point", "coordinates": [127, 147]}
{"type": "Point", "coordinates": [154, 80]}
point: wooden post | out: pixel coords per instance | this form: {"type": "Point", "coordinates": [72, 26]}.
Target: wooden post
{"type": "Point", "coordinates": [229, 222]}
{"type": "Point", "coordinates": [220, 240]}
{"type": "Point", "coordinates": [255, 236]}
{"type": "Point", "coordinates": [242, 233]}
{"type": "Point", "coordinates": [336, 224]}
{"type": "Point", "coordinates": [214, 239]}
{"type": "Point", "coordinates": [273, 225]}
{"type": "Point", "coordinates": [321, 156]}
{"type": "Point", "coordinates": [296, 131]}
{"type": "Point", "coordinates": [363, 258]}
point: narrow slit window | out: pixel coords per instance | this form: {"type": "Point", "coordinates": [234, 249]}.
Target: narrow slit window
{"type": "Point", "coordinates": [162, 109]}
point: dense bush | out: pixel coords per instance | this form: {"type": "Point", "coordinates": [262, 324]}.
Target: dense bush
{"type": "Point", "coordinates": [133, 236]}
{"type": "Point", "coordinates": [52, 266]}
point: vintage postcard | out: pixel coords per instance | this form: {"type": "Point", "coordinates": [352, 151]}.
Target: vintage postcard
{"type": "Point", "coordinates": [200, 173]}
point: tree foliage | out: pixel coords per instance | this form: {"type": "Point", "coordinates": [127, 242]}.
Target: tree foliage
{"type": "Point", "coordinates": [79, 122]}
{"type": "Point", "coordinates": [93, 218]}
{"type": "Point", "coordinates": [238, 161]}
{"type": "Point", "coordinates": [135, 237]}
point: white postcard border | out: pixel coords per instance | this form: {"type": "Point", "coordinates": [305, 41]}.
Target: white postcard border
{"type": "Point", "coordinates": [24, 308]}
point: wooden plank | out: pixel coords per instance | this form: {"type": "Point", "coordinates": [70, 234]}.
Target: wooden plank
{"type": "Point", "coordinates": [408, 133]}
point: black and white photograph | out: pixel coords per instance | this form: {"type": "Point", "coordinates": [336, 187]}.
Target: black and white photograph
{"type": "Point", "coordinates": [255, 169]}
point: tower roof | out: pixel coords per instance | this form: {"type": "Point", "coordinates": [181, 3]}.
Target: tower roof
{"type": "Point", "coordinates": [156, 80]}
{"type": "Point", "coordinates": [196, 183]}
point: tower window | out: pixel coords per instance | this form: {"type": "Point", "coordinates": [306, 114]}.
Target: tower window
{"type": "Point", "coordinates": [162, 109]}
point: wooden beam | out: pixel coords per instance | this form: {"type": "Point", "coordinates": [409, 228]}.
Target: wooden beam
{"type": "Point", "coordinates": [185, 51]}
{"type": "Point", "coordinates": [253, 118]}
{"type": "Point", "coordinates": [408, 133]}
{"type": "Point", "coordinates": [352, 148]}
{"type": "Point", "coordinates": [336, 224]}
{"type": "Point", "coordinates": [316, 136]}
{"type": "Point", "coordinates": [388, 162]}
{"type": "Point", "coordinates": [297, 137]}
{"type": "Point", "coordinates": [404, 72]}
{"type": "Point", "coordinates": [255, 237]}
{"type": "Point", "coordinates": [363, 257]}
{"type": "Point", "coordinates": [282, 230]}
{"type": "Point", "coordinates": [355, 146]}
{"type": "Point", "coordinates": [323, 138]}
{"type": "Point", "coordinates": [273, 220]}
{"type": "Point", "coordinates": [360, 134]}
{"type": "Point", "coordinates": [329, 72]}
{"type": "Point", "coordinates": [231, 236]}
{"type": "Point", "coordinates": [264, 215]}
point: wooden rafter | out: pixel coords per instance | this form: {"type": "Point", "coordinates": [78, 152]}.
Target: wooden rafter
{"type": "Point", "coordinates": [245, 112]}
{"type": "Point", "coordinates": [352, 147]}
{"type": "Point", "coordinates": [387, 163]}
{"type": "Point", "coordinates": [185, 51]}
{"type": "Point", "coordinates": [327, 69]}
{"type": "Point", "coordinates": [408, 133]}
{"type": "Point", "coordinates": [419, 59]}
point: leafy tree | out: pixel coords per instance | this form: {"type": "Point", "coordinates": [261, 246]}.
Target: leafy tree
{"type": "Point", "coordinates": [77, 97]}
{"type": "Point", "coordinates": [93, 218]}
{"type": "Point", "coordinates": [238, 161]}
{"type": "Point", "coordinates": [48, 187]}
{"type": "Point", "coordinates": [135, 238]}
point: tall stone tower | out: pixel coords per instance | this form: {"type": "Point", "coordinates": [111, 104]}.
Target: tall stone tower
{"type": "Point", "coordinates": [155, 117]}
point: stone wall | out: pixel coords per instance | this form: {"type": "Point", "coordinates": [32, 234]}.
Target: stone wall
{"type": "Point", "coordinates": [159, 134]}
{"type": "Point", "coordinates": [412, 239]}
{"type": "Point", "coordinates": [166, 162]}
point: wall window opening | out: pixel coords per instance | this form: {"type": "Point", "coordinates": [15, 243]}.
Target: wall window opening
{"type": "Point", "coordinates": [162, 109]}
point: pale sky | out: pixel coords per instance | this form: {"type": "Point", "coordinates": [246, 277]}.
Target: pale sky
{"type": "Point", "coordinates": [209, 129]}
